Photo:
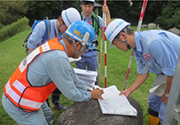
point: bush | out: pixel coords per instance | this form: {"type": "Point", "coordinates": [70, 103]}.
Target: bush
{"type": "Point", "coordinates": [170, 16]}
{"type": "Point", "coordinates": [14, 28]}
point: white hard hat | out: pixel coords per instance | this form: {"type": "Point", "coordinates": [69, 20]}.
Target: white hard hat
{"type": "Point", "coordinates": [114, 28]}
{"type": "Point", "coordinates": [70, 15]}
{"type": "Point", "coordinates": [93, 1]}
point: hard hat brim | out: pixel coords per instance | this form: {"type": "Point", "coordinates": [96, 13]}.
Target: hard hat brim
{"type": "Point", "coordinates": [111, 46]}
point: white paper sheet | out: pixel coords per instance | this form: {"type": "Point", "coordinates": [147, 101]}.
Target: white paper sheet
{"type": "Point", "coordinates": [85, 72]}
{"type": "Point", "coordinates": [88, 76]}
{"type": "Point", "coordinates": [116, 104]}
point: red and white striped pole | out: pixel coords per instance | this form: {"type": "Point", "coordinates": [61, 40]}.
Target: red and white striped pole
{"type": "Point", "coordinates": [138, 29]}
{"type": "Point", "coordinates": [101, 45]}
{"type": "Point", "coordinates": [105, 51]}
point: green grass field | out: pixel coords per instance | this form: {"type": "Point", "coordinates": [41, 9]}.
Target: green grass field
{"type": "Point", "coordinates": [12, 52]}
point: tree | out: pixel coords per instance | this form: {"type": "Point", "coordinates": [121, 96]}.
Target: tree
{"type": "Point", "coordinates": [52, 9]}
{"type": "Point", "coordinates": [164, 13]}
{"type": "Point", "coordinates": [170, 16]}
{"type": "Point", "coordinates": [122, 9]}
{"type": "Point", "coordinates": [40, 9]}
{"type": "Point", "coordinates": [153, 10]}
{"type": "Point", "coordinates": [11, 11]}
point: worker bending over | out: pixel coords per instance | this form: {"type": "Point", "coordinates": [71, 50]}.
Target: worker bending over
{"type": "Point", "coordinates": [44, 69]}
{"type": "Point", "coordinates": [155, 51]}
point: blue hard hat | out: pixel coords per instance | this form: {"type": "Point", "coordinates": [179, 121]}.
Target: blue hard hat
{"type": "Point", "coordinates": [81, 31]}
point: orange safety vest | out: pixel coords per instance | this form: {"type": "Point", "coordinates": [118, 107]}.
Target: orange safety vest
{"type": "Point", "coordinates": [20, 91]}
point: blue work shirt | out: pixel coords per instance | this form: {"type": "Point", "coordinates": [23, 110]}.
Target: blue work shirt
{"type": "Point", "coordinates": [55, 66]}
{"type": "Point", "coordinates": [36, 38]}
{"type": "Point", "coordinates": [156, 51]}
{"type": "Point", "coordinates": [88, 53]}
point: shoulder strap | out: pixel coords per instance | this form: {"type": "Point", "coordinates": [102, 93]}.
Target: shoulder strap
{"type": "Point", "coordinates": [82, 15]}
{"type": "Point", "coordinates": [95, 22]}
{"type": "Point", "coordinates": [35, 23]}
{"type": "Point", "coordinates": [48, 28]}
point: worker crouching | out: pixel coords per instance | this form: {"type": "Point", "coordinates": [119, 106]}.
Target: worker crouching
{"type": "Point", "coordinates": [44, 69]}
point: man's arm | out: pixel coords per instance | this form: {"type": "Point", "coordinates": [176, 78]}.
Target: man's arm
{"type": "Point", "coordinates": [139, 81]}
{"type": "Point", "coordinates": [35, 39]}
{"type": "Point", "coordinates": [60, 72]}
{"type": "Point", "coordinates": [169, 80]}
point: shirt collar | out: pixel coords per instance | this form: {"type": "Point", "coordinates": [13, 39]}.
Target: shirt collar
{"type": "Point", "coordinates": [85, 17]}
{"type": "Point", "coordinates": [137, 41]}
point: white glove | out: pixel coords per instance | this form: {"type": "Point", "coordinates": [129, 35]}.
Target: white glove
{"type": "Point", "coordinates": [71, 60]}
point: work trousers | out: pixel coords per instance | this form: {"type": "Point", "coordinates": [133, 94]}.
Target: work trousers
{"type": "Point", "coordinates": [43, 116]}
{"type": "Point", "coordinates": [156, 104]}
{"type": "Point", "coordinates": [90, 61]}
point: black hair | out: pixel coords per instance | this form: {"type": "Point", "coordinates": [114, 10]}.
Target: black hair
{"type": "Point", "coordinates": [59, 17]}
{"type": "Point", "coordinates": [127, 29]}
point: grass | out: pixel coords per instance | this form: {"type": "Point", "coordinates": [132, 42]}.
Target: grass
{"type": "Point", "coordinates": [12, 52]}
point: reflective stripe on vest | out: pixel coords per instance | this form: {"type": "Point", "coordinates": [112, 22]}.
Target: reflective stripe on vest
{"type": "Point", "coordinates": [15, 97]}
{"type": "Point", "coordinates": [18, 89]}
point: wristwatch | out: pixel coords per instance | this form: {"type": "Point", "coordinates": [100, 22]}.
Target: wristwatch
{"type": "Point", "coordinates": [166, 95]}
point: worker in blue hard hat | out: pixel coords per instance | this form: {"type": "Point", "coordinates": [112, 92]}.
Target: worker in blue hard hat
{"type": "Point", "coordinates": [55, 28]}
{"type": "Point", "coordinates": [155, 51]}
{"type": "Point", "coordinates": [44, 69]}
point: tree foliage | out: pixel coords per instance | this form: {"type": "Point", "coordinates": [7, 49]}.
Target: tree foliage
{"type": "Point", "coordinates": [40, 9]}
{"type": "Point", "coordinates": [11, 11]}
{"type": "Point", "coordinates": [51, 9]}
{"type": "Point", "coordinates": [170, 16]}
{"type": "Point", "coordinates": [153, 10]}
{"type": "Point", "coordinates": [164, 13]}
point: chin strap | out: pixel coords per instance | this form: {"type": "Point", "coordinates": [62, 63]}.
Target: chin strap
{"type": "Point", "coordinates": [76, 52]}
{"type": "Point", "coordinates": [84, 43]}
{"type": "Point", "coordinates": [127, 44]}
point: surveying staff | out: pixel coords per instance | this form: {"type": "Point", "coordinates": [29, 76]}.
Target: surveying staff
{"type": "Point", "coordinates": [90, 57]}
{"type": "Point", "coordinates": [46, 68]}
{"type": "Point", "coordinates": [57, 29]}
{"type": "Point", "coordinates": [155, 51]}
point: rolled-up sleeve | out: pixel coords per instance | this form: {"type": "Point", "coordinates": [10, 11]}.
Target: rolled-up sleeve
{"type": "Point", "coordinates": [64, 77]}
